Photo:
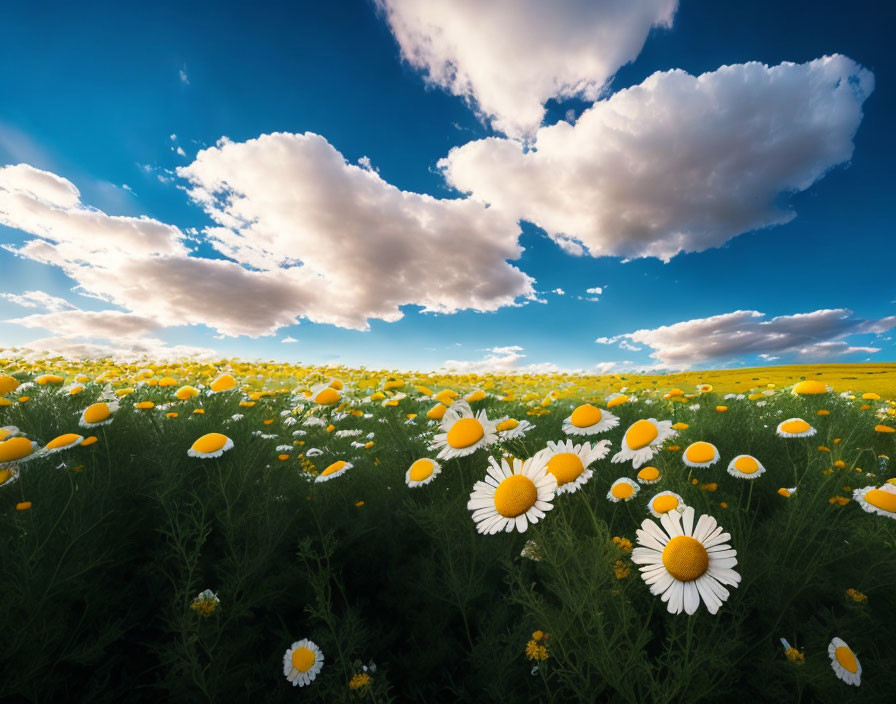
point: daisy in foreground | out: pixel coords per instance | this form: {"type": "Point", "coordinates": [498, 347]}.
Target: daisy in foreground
{"type": "Point", "coordinates": [210, 445]}
{"type": "Point", "coordinates": [302, 663]}
{"type": "Point", "coordinates": [337, 469]}
{"type": "Point", "coordinates": [512, 497]}
{"type": "Point", "coordinates": [880, 500]}
{"type": "Point", "coordinates": [569, 463]}
{"type": "Point", "coordinates": [795, 428]}
{"type": "Point", "coordinates": [589, 420]}
{"type": "Point", "coordinates": [700, 454]}
{"type": "Point", "coordinates": [643, 440]}
{"type": "Point", "coordinates": [845, 663]}
{"type": "Point", "coordinates": [462, 432]}
{"type": "Point", "coordinates": [745, 467]}
{"type": "Point", "coordinates": [683, 563]}
{"type": "Point", "coordinates": [422, 472]}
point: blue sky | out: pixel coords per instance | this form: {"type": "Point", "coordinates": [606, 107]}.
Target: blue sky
{"type": "Point", "coordinates": [104, 96]}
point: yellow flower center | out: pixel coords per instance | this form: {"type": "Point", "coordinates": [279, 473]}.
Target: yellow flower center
{"type": "Point", "coordinates": [508, 424]}
{"type": "Point", "coordinates": [477, 395]}
{"type": "Point", "coordinates": [883, 500]}
{"type": "Point", "coordinates": [585, 416]}
{"type": "Point", "coordinates": [746, 465]}
{"type": "Point", "coordinates": [303, 659]}
{"type": "Point", "coordinates": [566, 467]}
{"type": "Point", "coordinates": [618, 401]}
{"type": "Point", "coordinates": [97, 413]}
{"type": "Point", "coordinates": [15, 449]}
{"type": "Point", "coordinates": [212, 442]}
{"type": "Point", "coordinates": [465, 432]}
{"type": "Point", "coordinates": [846, 659]}
{"type": "Point", "coordinates": [665, 503]}
{"type": "Point", "coordinates": [5, 476]}
{"type": "Point", "coordinates": [62, 441]}
{"type": "Point", "coordinates": [685, 558]}
{"type": "Point", "coordinates": [421, 469]}
{"type": "Point", "coordinates": [810, 387]}
{"type": "Point", "coordinates": [515, 495]}
{"type": "Point", "coordinates": [649, 474]}
{"type": "Point", "coordinates": [641, 434]}
{"type": "Point", "coordinates": [622, 490]}
{"type": "Point", "coordinates": [223, 383]}
{"type": "Point", "coordinates": [795, 426]}
{"type": "Point", "coordinates": [327, 397]}
{"type": "Point", "coordinates": [700, 452]}
{"type": "Point", "coordinates": [335, 467]}
{"type": "Point", "coordinates": [437, 411]}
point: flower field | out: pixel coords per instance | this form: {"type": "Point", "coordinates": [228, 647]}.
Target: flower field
{"type": "Point", "coordinates": [236, 531]}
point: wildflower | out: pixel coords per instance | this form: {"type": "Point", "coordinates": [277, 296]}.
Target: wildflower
{"type": "Point", "coordinates": [463, 433]}
{"type": "Point", "coordinates": [824, 448]}
{"type": "Point", "coordinates": [17, 450]}
{"type": "Point", "coordinates": [334, 470]}
{"type": "Point", "coordinates": [97, 414]}
{"type": "Point", "coordinates": [844, 662]}
{"type": "Point", "coordinates": [642, 440]}
{"type": "Point", "coordinates": [787, 493]}
{"type": "Point", "coordinates": [623, 489]}
{"type": "Point", "coordinates": [623, 543]}
{"type": "Point", "coordinates": [302, 662]}
{"type": "Point", "coordinates": [570, 464]}
{"type": "Point", "coordinates": [210, 445]}
{"type": "Point", "coordinates": [721, 409]}
{"type": "Point", "coordinates": [205, 603]}
{"type": "Point", "coordinates": [745, 467]}
{"type": "Point", "coordinates": [680, 426]}
{"type": "Point", "coordinates": [359, 504]}
{"type": "Point", "coordinates": [880, 500]}
{"type": "Point", "coordinates": [712, 486]}
{"type": "Point", "coordinates": [685, 564]}
{"type": "Point", "coordinates": [536, 649]}
{"type": "Point", "coordinates": [621, 569]}
{"type": "Point", "coordinates": [422, 472]}
{"type": "Point", "coordinates": [884, 429]}
{"type": "Point", "coordinates": [23, 506]}
{"type": "Point", "coordinates": [648, 475]}
{"type": "Point", "coordinates": [8, 475]}
{"type": "Point", "coordinates": [89, 441]}
{"type": "Point", "coordinates": [795, 428]}
{"type": "Point", "coordinates": [700, 454]}
{"type": "Point", "coordinates": [838, 500]}
{"type": "Point", "coordinates": [589, 420]}
{"type": "Point", "coordinates": [795, 656]}
{"type": "Point", "coordinates": [856, 596]}
{"type": "Point", "coordinates": [810, 387]}
{"type": "Point", "coordinates": [8, 431]}
{"type": "Point", "coordinates": [144, 405]}
{"type": "Point", "coordinates": [531, 551]}
{"type": "Point", "coordinates": [512, 496]}
{"type": "Point", "coordinates": [511, 428]}
{"type": "Point", "coordinates": [63, 442]}
{"type": "Point", "coordinates": [359, 680]}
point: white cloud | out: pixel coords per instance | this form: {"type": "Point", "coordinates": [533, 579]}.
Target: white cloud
{"type": "Point", "coordinates": [305, 235]}
{"type": "Point", "coordinates": [184, 78]}
{"type": "Point", "coordinates": [172, 137]}
{"type": "Point", "coordinates": [130, 350]}
{"type": "Point", "coordinates": [500, 359]}
{"type": "Point", "coordinates": [109, 324]}
{"type": "Point", "coordinates": [288, 339]}
{"type": "Point", "coordinates": [814, 335]}
{"type": "Point", "coordinates": [595, 291]}
{"type": "Point", "coordinates": [559, 291]}
{"type": "Point", "coordinates": [38, 299]}
{"type": "Point", "coordinates": [180, 151]}
{"type": "Point", "coordinates": [677, 163]}
{"type": "Point", "coordinates": [508, 57]}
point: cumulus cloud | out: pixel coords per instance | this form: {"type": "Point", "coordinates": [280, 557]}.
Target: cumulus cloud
{"type": "Point", "coordinates": [508, 57]}
{"type": "Point", "coordinates": [301, 233]}
{"type": "Point", "coordinates": [364, 248]}
{"type": "Point", "coordinates": [814, 335]}
{"type": "Point", "coordinates": [500, 359]}
{"type": "Point", "coordinates": [131, 350]}
{"type": "Point", "coordinates": [110, 324]}
{"type": "Point", "coordinates": [38, 299]}
{"type": "Point", "coordinates": [677, 163]}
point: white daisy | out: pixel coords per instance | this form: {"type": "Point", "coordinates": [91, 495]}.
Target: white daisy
{"type": "Point", "coordinates": [210, 445]}
{"type": "Point", "coordinates": [623, 489]}
{"type": "Point", "coordinates": [336, 469]}
{"type": "Point", "coordinates": [462, 432]}
{"type": "Point", "coordinates": [643, 440]}
{"type": "Point", "coordinates": [700, 454]}
{"type": "Point", "coordinates": [511, 428]}
{"type": "Point", "coordinates": [589, 420]}
{"type": "Point", "coordinates": [302, 662]}
{"type": "Point", "coordinates": [63, 442]}
{"type": "Point", "coordinates": [98, 414]}
{"type": "Point", "coordinates": [745, 467]}
{"type": "Point", "coordinates": [7, 431]}
{"type": "Point", "coordinates": [570, 463]}
{"type": "Point", "coordinates": [683, 563]}
{"type": "Point", "coordinates": [648, 475]}
{"type": "Point", "coordinates": [844, 662]}
{"type": "Point", "coordinates": [512, 497]}
{"type": "Point", "coordinates": [795, 428]}
{"type": "Point", "coordinates": [880, 500]}
{"type": "Point", "coordinates": [664, 502]}
{"type": "Point", "coordinates": [422, 472]}
{"type": "Point", "coordinates": [18, 450]}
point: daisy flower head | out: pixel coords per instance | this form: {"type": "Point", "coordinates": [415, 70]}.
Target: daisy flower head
{"type": "Point", "coordinates": [700, 454]}
{"type": "Point", "coordinates": [569, 464]}
{"type": "Point", "coordinates": [745, 467]}
{"type": "Point", "coordinates": [302, 662]}
{"type": "Point", "coordinates": [589, 420]}
{"type": "Point", "coordinates": [17, 450]}
{"type": "Point", "coordinates": [513, 495]}
{"type": "Point", "coordinates": [463, 432]}
{"type": "Point", "coordinates": [648, 475]}
{"type": "Point", "coordinates": [795, 428]}
{"type": "Point", "coordinates": [880, 500]}
{"type": "Point", "coordinates": [664, 502]}
{"type": "Point", "coordinates": [683, 563]}
{"type": "Point", "coordinates": [98, 414]}
{"type": "Point", "coordinates": [325, 395]}
{"type": "Point", "coordinates": [422, 472]}
{"type": "Point", "coordinates": [7, 431]}
{"type": "Point", "coordinates": [210, 445]}
{"type": "Point", "coordinates": [844, 662]}
{"type": "Point", "coordinates": [623, 489]}
{"type": "Point", "coordinates": [63, 442]}
{"type": "Point", "coordinates": [336, 469]}
{"type": "Point", "coordinates": [511, 428]}
{"type": "Point", "coordinates": [643, 440]}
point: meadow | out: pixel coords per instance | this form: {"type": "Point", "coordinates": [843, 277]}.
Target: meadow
{"type": "Point", "coordinates": [237, 531]}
